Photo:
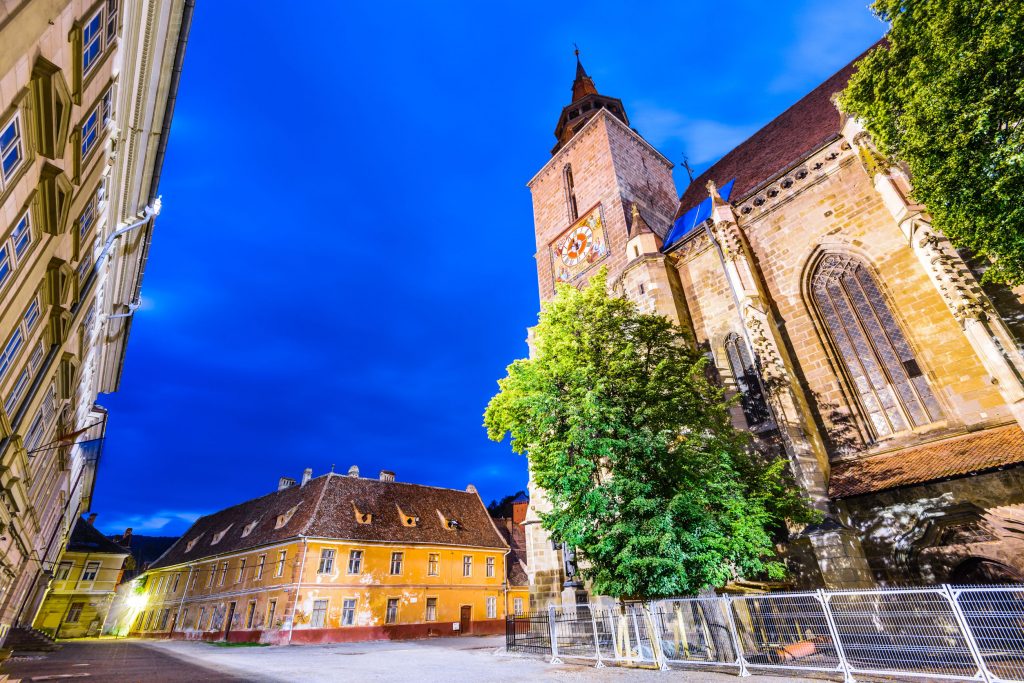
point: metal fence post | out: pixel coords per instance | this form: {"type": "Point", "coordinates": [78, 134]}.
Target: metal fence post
{"type": "Point", "coordinates": [972, 645]}
{"type": "Point", "coordinates": [740, 659]}
{"type": "Point", "coordinates": [654, 634]}
{"type": "Point", "coordinates": [597, 642]}
{"type": "Point", "coordinates": [844, 665]}
{"type": "Point", "coordinates": [553, 629]}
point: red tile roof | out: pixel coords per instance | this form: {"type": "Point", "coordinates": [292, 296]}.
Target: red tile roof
{"type": "Point", "coordinates": [792, 135]}
{"type": "Point", "coordinates": [955, 457]}
{"type": "Point", "coordinates": [323, 508]}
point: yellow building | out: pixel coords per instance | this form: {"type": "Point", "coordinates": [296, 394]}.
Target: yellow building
{"type": "Point", "coordinates": [86, 97]}
{"type": "Point", "coordinates": [79, 596]}
{"type": "Point", "coordinates": [335, 558]}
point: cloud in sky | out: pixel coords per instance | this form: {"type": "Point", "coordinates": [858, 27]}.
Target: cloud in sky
{"type": "Point", "coordinates": [826, 35]}
{"type": "Point", "coordinates": [703, 140]}
{"type": "Point", "coordinates": [162, 522]}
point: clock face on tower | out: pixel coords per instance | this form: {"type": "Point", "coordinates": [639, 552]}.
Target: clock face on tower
{"type": "Point", "coordinates": [579, 247]}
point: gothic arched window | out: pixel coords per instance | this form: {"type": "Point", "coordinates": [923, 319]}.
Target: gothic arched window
{"type": "Point", "coordinates": [752, 400]}
{"type": "Point", "coordinates": [880, 363]}
{"type": "Point", "coordinates": [570, 192]}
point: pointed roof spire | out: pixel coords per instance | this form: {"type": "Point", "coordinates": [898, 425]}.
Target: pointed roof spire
{"type": "Point", "coordinates": [584, 84]}
{"type": "Point", "coordinates": [637, 224]}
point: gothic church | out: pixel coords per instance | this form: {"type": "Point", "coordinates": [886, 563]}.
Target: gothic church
{"type": "Point", "coordinates": [860, 341]}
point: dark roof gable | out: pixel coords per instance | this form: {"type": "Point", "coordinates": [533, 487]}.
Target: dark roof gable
{"type": "Point", "coordinates": [85, 538]}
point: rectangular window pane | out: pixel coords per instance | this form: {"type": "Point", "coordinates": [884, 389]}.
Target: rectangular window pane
{"type": "Point", "coordinates": [22, 237]}
{"type": "Point", "coordinates": [11, 147]}
{"type": "Point", "coordinates": [355, 562]}
{"type": "Point", "coordinates": [91, 45]}
{"type": "Point", "coordinates": [319, 614]}
{"type": "Point", "coordinates": [348, 612]}
{"type": "Point", "coordinates": [5, 265]}
{"type": "Point", "coordinates": [17, 392]}
{"type": "Point", "coordinates": [396, 563]}
{"type": "Point", "coordinates": [391, 614]}
{"type": "Point", "coordinates": [271, 608]}
{"type": "Point", "coordinates": [32, 314]}
{"type": "Point", "coordinates": [490, 567]}
{"type": "Point", "coordinates": [467, 565]}
{"type": "Point", "coordinates": [492, 608]}
{"type": "Point", "coordinates": [90, 133]}
{"type": "Point", "coordinates": [433, 564]}
{"type": "Point", "coordinates": [326, 561]}
{"type": "Point", "coordinates": [431, 609]}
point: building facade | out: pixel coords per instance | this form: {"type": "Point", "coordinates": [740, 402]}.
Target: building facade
{"type": "Point", "coordinates": [860, 341]}
{"type": "Point", "coordinates": [79, 596]}
{"type": "Point", "coordinates": [332, 558]}
{"type": "Point", "coordinates": [517, 597]}
{"type": "Point", "coordinates": [86, 96]}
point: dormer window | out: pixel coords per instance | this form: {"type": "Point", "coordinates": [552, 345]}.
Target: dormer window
{"type": "Point", "coordinates": [192, 544]}
{"type": "Point", "coordinates": [284, 518]}
{"type": "Point", "coordinates": [247, 529]}
{"type": "Point", "coordinates": [219, 535]}
{"type": "Point", "coordinates": [449, 523]}
{"type": "Point", "coordinates": [361, 517]}
{"type": "Point", "coordinates": [407, 519]}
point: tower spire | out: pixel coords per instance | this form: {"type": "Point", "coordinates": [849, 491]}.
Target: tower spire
{"type": "Point", "coordinates": [584, 84]}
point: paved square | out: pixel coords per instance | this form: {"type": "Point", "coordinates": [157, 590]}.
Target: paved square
{"type": "Point", "coordinates": [416, 661]}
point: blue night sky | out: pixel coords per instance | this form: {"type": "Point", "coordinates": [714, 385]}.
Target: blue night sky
{"type": "Point", "coordinates": [344, 264]}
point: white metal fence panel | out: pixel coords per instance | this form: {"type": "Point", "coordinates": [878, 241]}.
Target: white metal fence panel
{"type": "Point", "coordinates": [937, 632]}
{"type": "Point", "coordinates": [786, 631]}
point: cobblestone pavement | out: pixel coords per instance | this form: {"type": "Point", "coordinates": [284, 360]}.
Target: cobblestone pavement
{"type": "Point", "coordinates": [419, 661]}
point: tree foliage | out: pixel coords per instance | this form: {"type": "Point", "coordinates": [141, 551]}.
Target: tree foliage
{"type": "Point", "coordinates": [635, 450]}
{"type": "Point", "coordinates": [945, 95]}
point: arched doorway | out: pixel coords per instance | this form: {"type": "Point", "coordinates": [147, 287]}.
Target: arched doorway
{"type": "Point", "coordinates": [976, 570]}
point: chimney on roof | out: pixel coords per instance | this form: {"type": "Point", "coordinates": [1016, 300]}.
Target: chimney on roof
{"type": "Point", "coordinates": [284, 483]}
{"type": "Point", "coordinates": [385, 475]}
{"type": "Point", "coordinates": [353, 471]}
{"type": "Point", "coordinates": [307, 474]}
{"type": "Point", "coordinates": [92, 519]}
{"type": "Point", "coordinates": [470, 489]}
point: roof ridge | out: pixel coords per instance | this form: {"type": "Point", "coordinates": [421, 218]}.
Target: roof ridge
{"type": "Point", "coordinates": [316, 506]}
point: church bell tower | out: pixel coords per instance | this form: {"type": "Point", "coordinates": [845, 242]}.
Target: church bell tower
{"type": "Point", "coordinates": [605, 198]}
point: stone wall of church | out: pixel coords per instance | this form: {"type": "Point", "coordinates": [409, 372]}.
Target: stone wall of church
{"type": "Point", "coordinates": [836, 209]}
{"type": "Point", "coordinates": [940, 532]}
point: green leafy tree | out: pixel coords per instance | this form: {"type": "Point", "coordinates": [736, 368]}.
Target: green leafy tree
{"type": "Point", "coordinates": [635, 450]}
{"type": "Point", "coordinates": [945, 95]}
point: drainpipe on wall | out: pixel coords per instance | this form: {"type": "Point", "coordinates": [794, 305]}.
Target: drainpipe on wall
{"type": "Point", "coordinates": [184, 592]}
{"type": "Point", "coordinates": [151, 210]}
{"type": "Point", "coordinates": [298, 583]}
{"type": "Point", "coordinates": [504, 583]}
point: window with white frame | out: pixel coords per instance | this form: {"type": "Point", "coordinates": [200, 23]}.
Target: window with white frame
{"type": "Point", "coordinates": [209, 579]}
{"type": "Point", "coordinates": [391, 611]}
{"type": "Point", "coordinates": [431, 609]}
{"type": "Point", "coordinates": [16, 342]}
{"type": "Point", "coordinates": [355, 562]}
{"type": "Point", "coordinates": [177, 578]}
{"type": "Point", "coordinates": [250, 614]}
{"type": "Point", "coordinates": [90, 212]}
{"type": "Point", "coordinates": [271, 608]}
{"type": "Point", "coordinates": [112, 20]}
{"type": "Point", "coordinates": [517, 606]}
{"type": "Point", "coordinates": [202, 615]}
{"type": "Point", "coordinates": [17, 392]}
{"type": "Point", "coordinates": [223, 573]}
{"type": "Point", "coordinates": [15, 247]}
{"type": "Point", "coordinates": [75, 613]}
{"type": "Point", "coordinates": [90, 571]}
{"type": "Point", "coordinates": [396, 563]}
{"type": "Point", "coordinates": [490, 568]}
{"type": "Point", "coordinates": [319, 615]}
{"type": "Point", "coordinates": [326, 561]}
{"type": "Point", "coordinates": [467, 565]}
{"type": "Point", "coordinates": [12, 149]}
{"type": "Point", "coordinates": [96, 123]}
{"type": "Point", "coordinates": [348, 612]}
{"type": "Point", "coordinates": [36, 431]}
{"type": "Point", "coordinates": [63, 569]}
{"type": "Point", "coordinates": [262, 560]}
{"type": "Point", "coordinates": [492, 607]}
{"type": "Point", "coordinates": [433, 564]}
{"type": "Point", "coordinates": [281, 556]}
{"type": "Point", "coordinates": [183, 619]}
{"type": "Point", "coordinates": [92, 41]}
